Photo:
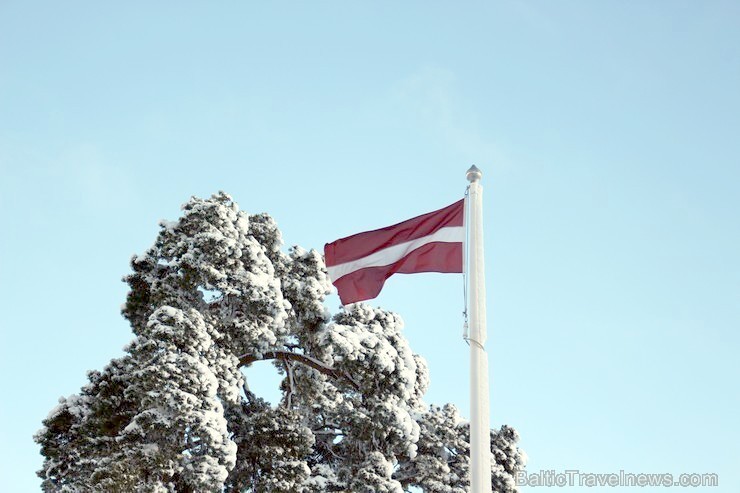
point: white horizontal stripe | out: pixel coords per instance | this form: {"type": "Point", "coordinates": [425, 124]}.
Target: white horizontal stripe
{"type": "Point", "coordinates": [392, 254]}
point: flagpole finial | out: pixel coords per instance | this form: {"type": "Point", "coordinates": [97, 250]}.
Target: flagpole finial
{"type": "Point", "coordinates": [474, 174]}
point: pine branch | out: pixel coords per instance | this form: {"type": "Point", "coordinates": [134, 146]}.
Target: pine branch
{"type": "Point", "coordinates": [248, 359]}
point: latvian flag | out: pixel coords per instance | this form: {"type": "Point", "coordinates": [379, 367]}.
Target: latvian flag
{"type": "Point", "coordinates": [359, 265]}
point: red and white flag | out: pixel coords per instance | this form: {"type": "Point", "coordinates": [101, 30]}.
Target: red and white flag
{"type": "Point", "coordinates": [359, 265]}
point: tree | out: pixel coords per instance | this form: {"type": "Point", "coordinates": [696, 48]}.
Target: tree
{"type": "Point", "coordinates": [214, 294]}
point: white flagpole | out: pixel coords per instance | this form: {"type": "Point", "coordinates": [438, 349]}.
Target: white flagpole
{"type": "Point", "coordinates": [480, 438]}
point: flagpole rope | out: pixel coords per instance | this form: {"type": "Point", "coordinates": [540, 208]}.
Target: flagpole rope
{"type": "Point", "coordinates": [466, 337]}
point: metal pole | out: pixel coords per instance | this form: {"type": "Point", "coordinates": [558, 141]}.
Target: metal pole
{"type": "Point", "coordinates": [480, 438]}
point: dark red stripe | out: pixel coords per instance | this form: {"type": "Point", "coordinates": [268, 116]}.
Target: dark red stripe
{"type": "Point", "coordinates": [365, 284]}
{"type": "Point", "coordinates": [363, 244]}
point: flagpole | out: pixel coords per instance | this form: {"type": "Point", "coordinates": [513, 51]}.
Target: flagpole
{"type": "Point", "coordinates": [480, 438]}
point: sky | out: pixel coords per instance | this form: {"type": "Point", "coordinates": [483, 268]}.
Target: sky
{"type": "Point", "coordinates": [608, 133]}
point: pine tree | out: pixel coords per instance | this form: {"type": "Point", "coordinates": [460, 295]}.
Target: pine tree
{"type": "Point", "coordinates": [214, 294]}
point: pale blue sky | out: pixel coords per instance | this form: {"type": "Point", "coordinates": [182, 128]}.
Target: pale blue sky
{"type": "Point", "coordinates": [609, 137]}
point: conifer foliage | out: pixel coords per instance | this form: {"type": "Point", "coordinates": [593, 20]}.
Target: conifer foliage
{"type": "Point", "coordinates": [214, 294]}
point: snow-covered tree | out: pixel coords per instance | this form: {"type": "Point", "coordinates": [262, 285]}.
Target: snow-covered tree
{"type": "Point", "coordinates": [214, 294]}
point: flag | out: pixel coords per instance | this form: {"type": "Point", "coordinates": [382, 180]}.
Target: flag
{"type": "Point", "coordinates": [358, 265]}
